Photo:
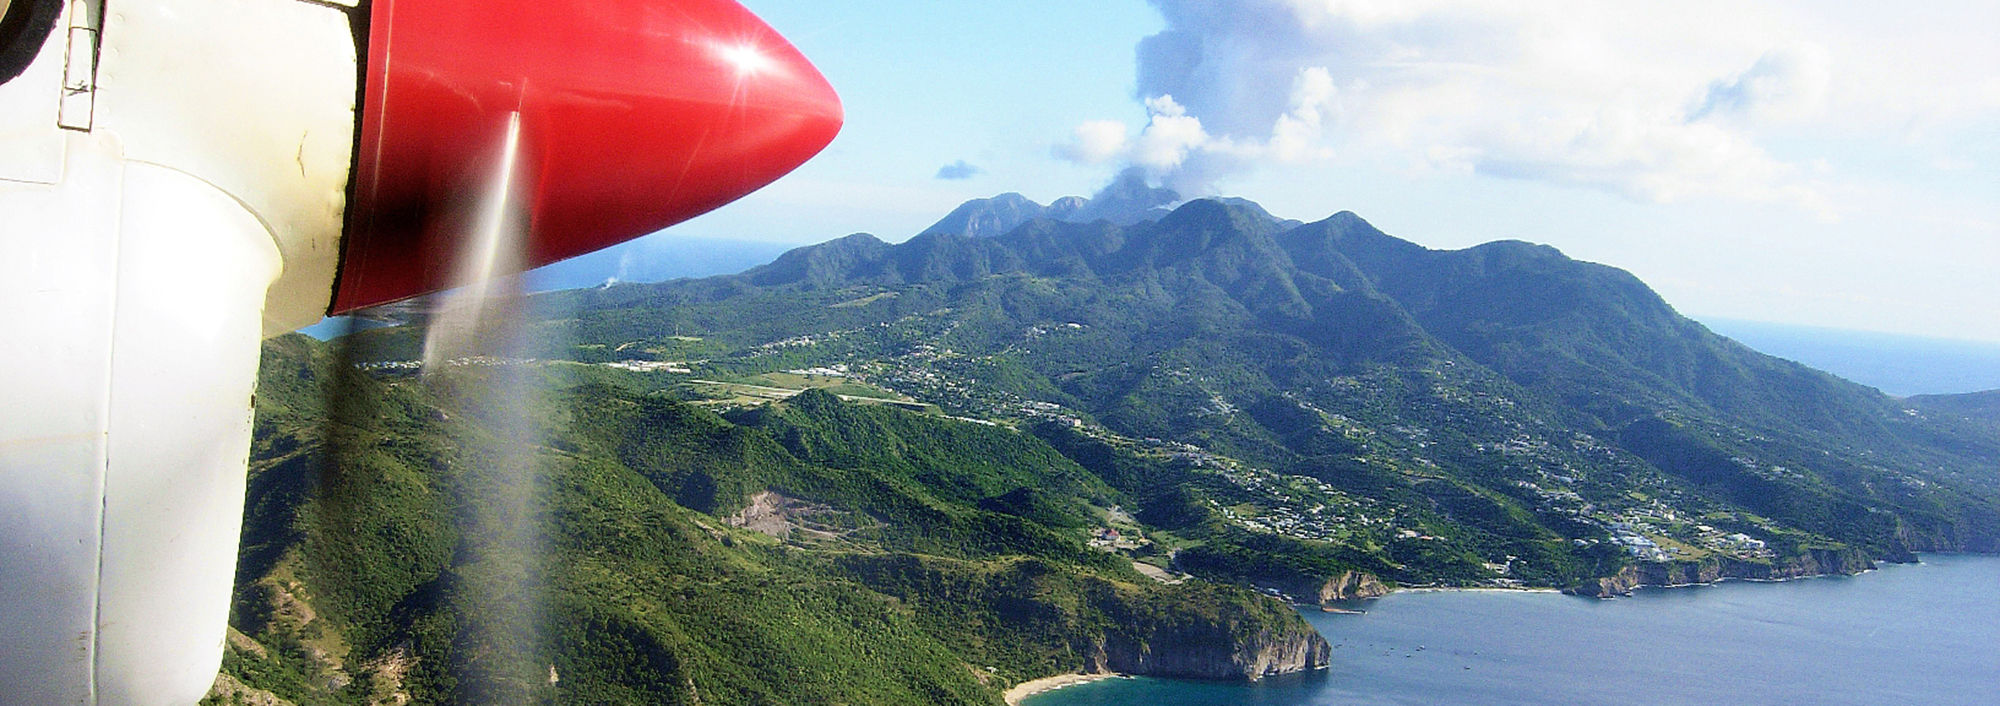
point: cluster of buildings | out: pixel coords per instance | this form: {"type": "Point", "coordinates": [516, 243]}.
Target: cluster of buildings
{"type": "Point", "coordinates": [1110, 539]}
{"type": "Point", "coordinates": [1035, 332]}
{"type": "Point", "coordinates": [482, 361]}
{"type": "Point", "coordinates": [1636, 529]}
{"type": "Point", "coordinates": [1638, 545]}
{"type": "Point", "coordinates": [390, 365]}
{"type": "Point", "coordinates": [801, 341]}
{"type": "Point", "coordinates": [1736, 543]}
{"type": "Point", "coordinates": [1295, 506]}
{"type": "Point", "coordinates": [650, 366]}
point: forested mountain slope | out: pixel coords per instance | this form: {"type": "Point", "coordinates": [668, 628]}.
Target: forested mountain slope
{"type": "Point", "coordinates": [1324, 348]}
{"type": "Point", "coordinates": [1069, 445]}
{"type": "Point", "coordinates": [810, 551]}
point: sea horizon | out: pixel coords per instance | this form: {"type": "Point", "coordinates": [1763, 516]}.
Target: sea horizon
{"type": "Point", "coordinates": [1924, 630]}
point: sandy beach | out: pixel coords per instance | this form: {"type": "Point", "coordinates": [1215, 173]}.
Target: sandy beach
{"type": "Point", "coordinates": [1032, 687]}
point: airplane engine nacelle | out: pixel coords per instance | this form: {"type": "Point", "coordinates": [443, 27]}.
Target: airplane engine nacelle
{"type": "Point", "coordinates": [182, 178]}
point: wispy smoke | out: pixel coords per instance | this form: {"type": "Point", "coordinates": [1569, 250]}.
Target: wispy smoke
{"type": "Point", "coordinates": [1176, 149]}
{"type": "Point", "coordinates": [1784, 84]}
{"type": "Point", "coordinates": [1641, 101]}
{"type": "Point", "coordinates": [959, 170]}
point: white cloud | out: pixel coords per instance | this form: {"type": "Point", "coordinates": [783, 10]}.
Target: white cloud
{"type": "Point", "coordinates": [1296, 134]}
{"type": "Point", "coordinates": [1095, 142]}
{"type": "Point", "coordinates": [1168, 137]}
{"type": "Point", "coordinates": [1655, 102]}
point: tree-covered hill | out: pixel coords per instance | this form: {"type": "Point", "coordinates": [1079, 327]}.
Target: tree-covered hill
{"type": "Point", "coordinates": [1505, 393]}
{"type": "Point", "coordinates": [812, 551]}
{"type": "Point", "coordinates": [1068, 445]}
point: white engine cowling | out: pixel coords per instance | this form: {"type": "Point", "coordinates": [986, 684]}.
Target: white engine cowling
{"type": "Point", "coordinates": [154, 187]}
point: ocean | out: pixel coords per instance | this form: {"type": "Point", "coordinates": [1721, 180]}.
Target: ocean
{"type": "Point", "coordinates": [1923, 635]}
{"type": "Point", "coordinates": [1898, 365]}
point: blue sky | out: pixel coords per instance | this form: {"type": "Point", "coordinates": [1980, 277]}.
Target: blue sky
{"type": "Point", "coordinates": [1822, 163]}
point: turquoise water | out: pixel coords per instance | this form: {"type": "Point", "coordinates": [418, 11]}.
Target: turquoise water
{"type": "Point", "coordinates": [1922, 635]}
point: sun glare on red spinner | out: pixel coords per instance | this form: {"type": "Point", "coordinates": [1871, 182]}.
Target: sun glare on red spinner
{"type": "Point", "coordinates": [748, 58]}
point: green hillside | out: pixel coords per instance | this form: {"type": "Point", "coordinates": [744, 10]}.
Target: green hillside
{"type": "Point", "coordinates": [815, 551]}
{"type": "Point", "coordinates": [1505, 400]}
{"type": "Point", "coordinates": [921, 472]}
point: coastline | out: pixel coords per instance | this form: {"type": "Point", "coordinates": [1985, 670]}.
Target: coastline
{"type": "Point", "coordinates": [1549, 589]}
{"type": "Point", "coordinates": [1470, 589]}
{"type": "Point", "coordinates": [1019, 692]}
{"type": "Point", "coordinates": [1932, 619]}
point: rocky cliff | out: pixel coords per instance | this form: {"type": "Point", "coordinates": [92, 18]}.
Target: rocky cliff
{"type": "Point", "coordinates": [1343, 586]}
{"type": "Point", "coordinates": [1351, 585]}
{"type": "Point", "coordinates": [1211, 650]}
{"type": "Point", "coordinates": [1812, 562]}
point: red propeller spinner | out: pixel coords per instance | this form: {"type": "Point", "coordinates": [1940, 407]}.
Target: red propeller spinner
{"type": "Point", "coordinates": [634, 116]}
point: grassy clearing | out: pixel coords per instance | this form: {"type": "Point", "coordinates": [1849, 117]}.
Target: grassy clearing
{"type": "Point", "coordinates": [768, 387]}
{"type": "Point", "coordinates": [864, 301]}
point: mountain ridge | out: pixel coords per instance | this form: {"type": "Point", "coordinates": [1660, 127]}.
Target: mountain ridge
{"type": "Point", "coordinates": [1127, 200]}
{"type": "Point", "coordinates": [1066, 446]}
{"type": "Point", "coordinates": [1590, 337]}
